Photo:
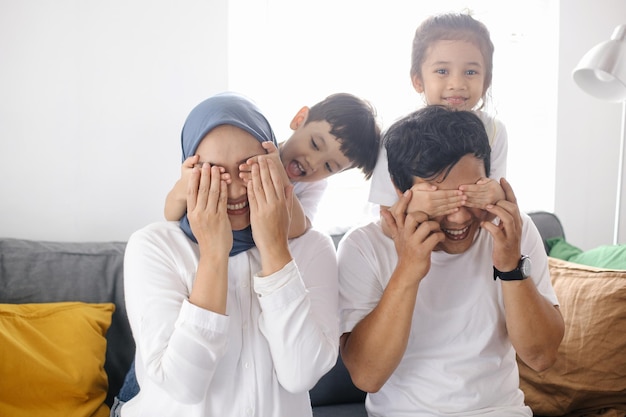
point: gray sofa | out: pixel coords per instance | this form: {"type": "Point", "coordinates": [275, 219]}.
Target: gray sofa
{"type": "Point", "coordinates": [37, 271]}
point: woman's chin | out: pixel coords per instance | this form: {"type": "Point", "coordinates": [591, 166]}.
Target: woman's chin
{"type": "Point", "coordinates": [239, 222]}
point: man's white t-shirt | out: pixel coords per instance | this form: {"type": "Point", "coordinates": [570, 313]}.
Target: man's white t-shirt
{"type": "Point", "coordinates": [459, 360]}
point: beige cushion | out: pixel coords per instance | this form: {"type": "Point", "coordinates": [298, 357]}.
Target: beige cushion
{"type": "Point", "coordinates": [589, 376]}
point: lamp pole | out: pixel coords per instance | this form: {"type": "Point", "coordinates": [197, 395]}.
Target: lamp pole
{"type": "Point", "coordinates": [620, 174]}
{"type": "Point", "coordinates": [602, 73]}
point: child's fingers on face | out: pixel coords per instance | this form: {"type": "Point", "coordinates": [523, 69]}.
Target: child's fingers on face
{"type": "Point", "coordinates": [269, 147]}
{"type": "Point", "coordinates": [225, 176]}
{"type": "Point", "coordinates": [191, 161]}
{"type": "Point", "coordinates": [249, 161]}
{"type": "Point", "coordinates": [245, 176]}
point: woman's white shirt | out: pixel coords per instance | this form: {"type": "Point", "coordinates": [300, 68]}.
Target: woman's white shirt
{"type": "Point", "coordinates": [279, 336]}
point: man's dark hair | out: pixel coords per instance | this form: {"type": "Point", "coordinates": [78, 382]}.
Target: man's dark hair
{"type": "Point", "coordinates": [430, 141]}
{"type": "Point", "coordinates": [353, 122]}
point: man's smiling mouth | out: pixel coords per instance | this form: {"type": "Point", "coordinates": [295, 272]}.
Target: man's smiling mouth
{"type": "Point", "coordinates": [456, 234]}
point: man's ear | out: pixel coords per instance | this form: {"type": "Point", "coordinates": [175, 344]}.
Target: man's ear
{"type": "Point", "coordinates": [300, 118]}
{"type": "Point", "coordinates": [418, 85]}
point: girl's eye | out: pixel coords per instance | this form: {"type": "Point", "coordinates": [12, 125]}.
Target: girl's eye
{"type": "Point", "coordinates": [441, 71]}
{"type": "Point", "coordinates": [471, 72]}
{"type": "Point", "coordinates": [314, 145]}
{"type": "Point", "coordinates": [328, 167]}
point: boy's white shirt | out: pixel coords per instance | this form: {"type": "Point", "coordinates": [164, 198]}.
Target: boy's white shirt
{"type": "Point", "coordinates": [310, 194]}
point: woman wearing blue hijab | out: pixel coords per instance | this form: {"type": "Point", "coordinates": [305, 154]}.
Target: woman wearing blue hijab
{"type": "Point", "coordinates": [229, 317]}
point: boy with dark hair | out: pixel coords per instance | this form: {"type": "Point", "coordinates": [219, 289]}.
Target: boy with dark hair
{"type": "Point", "coordinates": [336, 134]}
{"type": "Point", "coordinates": [434, 310]}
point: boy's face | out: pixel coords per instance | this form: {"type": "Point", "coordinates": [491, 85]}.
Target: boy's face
{"type": "Point", "coordinates": [312, 153]}
{"type": "Point", "coordinates": [459, 228]}
{"type": "Point", "coordinates": [453, 75]}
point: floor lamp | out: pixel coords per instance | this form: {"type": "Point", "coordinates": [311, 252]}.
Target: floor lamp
{"type": "Point", "coordinates": [602, 73]}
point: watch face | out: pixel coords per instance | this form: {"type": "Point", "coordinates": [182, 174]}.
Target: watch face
{"type": "Point", "coordinates": [524, 267]}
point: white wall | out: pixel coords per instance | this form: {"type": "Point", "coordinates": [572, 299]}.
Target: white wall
{"type": "Point", "coordinates": [93, 95]}
{"type": "Point", "coordinates": [588, 130]}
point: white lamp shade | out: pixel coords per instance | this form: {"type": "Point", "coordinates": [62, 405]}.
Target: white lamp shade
{"type": "Point", "coordinates": [602, 71]}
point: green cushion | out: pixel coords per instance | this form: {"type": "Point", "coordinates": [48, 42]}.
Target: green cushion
{"type": "Point", "coordinates": [606, 256]}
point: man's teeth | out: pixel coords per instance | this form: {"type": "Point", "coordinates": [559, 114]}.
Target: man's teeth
{"type": "Point", "coordinates": [456, 232]}
{"type": "Point", "coordinates": [237, 206]}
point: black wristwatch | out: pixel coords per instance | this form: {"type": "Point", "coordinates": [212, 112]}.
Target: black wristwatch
{"type": "Point", "coordinates": [521, 272]}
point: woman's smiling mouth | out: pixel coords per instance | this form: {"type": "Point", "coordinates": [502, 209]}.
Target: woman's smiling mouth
{"type": "Point", "coordinates": [238, 208]}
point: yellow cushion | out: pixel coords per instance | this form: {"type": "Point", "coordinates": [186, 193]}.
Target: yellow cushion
{"type": "Point", "coordinates": [52, 359]}
{"type": "Point", "coordinates": [589, 376]}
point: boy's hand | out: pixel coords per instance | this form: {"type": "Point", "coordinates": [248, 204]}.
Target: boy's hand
{"type": "Point", "coordinates": [206, 210]}
{"type": "Point", "coordinates": [273, 154]}
{"type": "Point", "coordinates": [434, 202]}
{"type": "Point", "coordinates": [507, 235]}
{"type": "Point", "coordinates": [270, 214]}
{"type": "Point", "coordinates": [179, 192]}
{"type": "Point", "coordinates": [485, 191]}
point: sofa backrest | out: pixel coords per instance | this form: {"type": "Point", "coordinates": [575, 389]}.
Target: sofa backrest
{"type": "Point", "coordinates": [549, 226]}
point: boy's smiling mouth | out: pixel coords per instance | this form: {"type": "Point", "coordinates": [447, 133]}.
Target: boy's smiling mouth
{"type": "Point", "coordinates": [295, 170]}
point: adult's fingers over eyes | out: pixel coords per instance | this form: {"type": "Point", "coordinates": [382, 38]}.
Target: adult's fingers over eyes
{"type": "Point", "coordinates": [400, 208]}
{"type": "Point", "coordinates": [419, 216]}
{"type": "Point", "coordinates": [276, 178]}
{"type": "Point", "coordinates": [192, 189]}
{"type": "Point", "coordinates": [215, 186]}
{"type": "Point", "coordinates": [508, 191]}
{"type": "Point", "coordinates": [204, 185]}
{"type": "Point", "coordinates": [266, 179]}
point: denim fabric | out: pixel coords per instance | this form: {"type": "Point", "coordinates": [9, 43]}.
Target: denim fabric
{"type": "Point", "coordinates": [116, 409]}
{"type": "Point", "coordinates": [130, 388]}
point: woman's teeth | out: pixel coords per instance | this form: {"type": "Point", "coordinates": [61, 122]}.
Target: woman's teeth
{"type": "Point", "coordinates": [238, 206]}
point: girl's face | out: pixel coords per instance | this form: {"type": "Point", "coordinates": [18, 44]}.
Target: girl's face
{"type": "Point", "coordinates": [228, 146]}
{"type": "Point", "coordinates": [453, 75]}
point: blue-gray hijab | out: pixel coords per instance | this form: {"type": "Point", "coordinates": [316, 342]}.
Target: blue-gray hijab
{"type": "Point", "coordinates": [224, 109]}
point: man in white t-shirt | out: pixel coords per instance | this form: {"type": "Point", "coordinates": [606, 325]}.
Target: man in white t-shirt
{"type": "Point", "coordinates": [434, 310]}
